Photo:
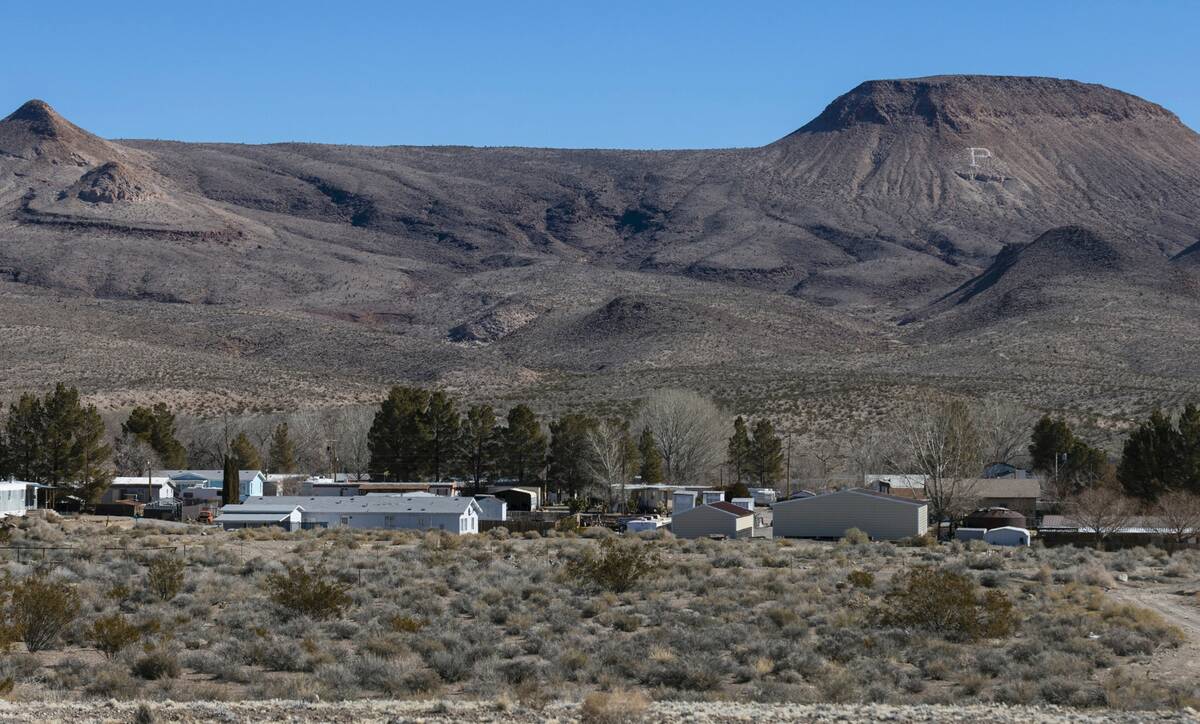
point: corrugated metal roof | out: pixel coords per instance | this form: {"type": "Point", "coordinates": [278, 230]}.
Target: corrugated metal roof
{"type": "Point", "coordinates": [364, 503]}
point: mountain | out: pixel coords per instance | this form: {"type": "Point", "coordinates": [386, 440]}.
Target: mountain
{"type": "Point", "coordinates": [872, 249]}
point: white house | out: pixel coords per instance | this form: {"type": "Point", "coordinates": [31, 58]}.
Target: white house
{"type": "Point", "coordinates": [718, 518]}
{"type": "Point", "coordinates": [195, 486]}
{"type": "Point", "coordinates": [142, 489]}
{"type": "Point", "coordinates": [15, 497]}
{"type": "Point", "coordinates": [260, 515]}
{"type": "Point", "coordinates": [830, 515]}
{"type": "Point", "coordinates": [455, 515]}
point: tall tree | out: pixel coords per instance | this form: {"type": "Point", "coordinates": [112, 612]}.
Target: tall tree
{"type": "Point", "coordinates": [689, 433]}
{"type": "Point", "coordinates": [1150, 462]}
{"type": "Point", "coordinates": [442, 427]}
{"type": "Point", "coordinates": [1189, 448]}
{"type": "Point", "coordinates": [243, 453]}
{"type": "Point", "coordinates": [650, 470]}
{"type": "Point", "coordinates": [612, 458]}
{"type": "Point", "coordinates": [156, 427]}
{"type": "Point", "coordinates": [569, 461]}
{"type": "Point", "coordinates": [523, 446]}
{"type": "Point", "coordinates": [940, 440]}
{"type": "Point", "coordinates": [24, 430]}
{"type": "Point", "coordinates": [282, 453]}
{"type": "Point", "coordinates": [478, 442]}
{"type": "Point", "coordinates": [74, 454]}
{"type": "Point", "coordinates": [133, 456]}
{"type": "Point", "coordinates": [766, 454]}
{"type": "Point", "coordinates": [738, 451]}
{"type": "Point", "coordinates": [231, 487]}
{"type": "Point", "coordinates": [1052, 438]}
{"type": "Point", "coordinates": [398, 439]}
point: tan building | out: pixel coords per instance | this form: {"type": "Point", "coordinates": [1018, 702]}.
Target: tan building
{"type": "Point", "coordinates": [1019, 494]}
{"type": "Point", "coordinates": [830, 515]}
{"type": "Point", "coordinates": [718, 518]}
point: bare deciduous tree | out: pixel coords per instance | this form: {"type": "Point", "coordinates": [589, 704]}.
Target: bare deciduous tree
{"type": "Point", "coordinates": [940, 440]}
{"type": "Point", "coordinates": [689, 431]}
{"type": "Point", "coordinates": [1004, 430]}
{"type": "Point", "coordinates": [1178, 511]}
{"type": "Point", "coordinates": [608, 462]}
{"type": "Point", "coordinates": [1102, 510]}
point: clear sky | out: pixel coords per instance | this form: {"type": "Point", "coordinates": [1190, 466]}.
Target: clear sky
{"type": "Point", "coordinates": [568, 73]}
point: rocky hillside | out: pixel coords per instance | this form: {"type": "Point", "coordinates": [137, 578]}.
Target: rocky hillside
{"type": "Point", "coordinates": [953, 204]}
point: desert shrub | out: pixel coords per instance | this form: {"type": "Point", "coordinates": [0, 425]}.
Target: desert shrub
{"type": "Point", "coordinates": [41, 609]}
{"type": "Point", "coordinates": [114, 683]}
{"type": "Point", "coordinates": [618, 567]}
{"type": "Point", "coordinates": [111, 634]}
{"type": "Point", "coordinates": [1094, 574]}
{"type": "Point", "coordinates": [164, 577]}
{"type": "Point", "coordinates": [155, 664]}
{"type": "Point", "coordinates": [854, 536]}
{"type": "Point", "coordinates": [861, 579]}
{"type": "Point", "coordinates": [404, 624]}
{"type": "Point", "coordinates": [311, 593]}
{"type": "Point", "coordinates": [616, 707]}
{"type": "Point", "coordinates": [942, 601]}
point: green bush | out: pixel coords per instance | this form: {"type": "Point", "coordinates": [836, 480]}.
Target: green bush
{"type": "Point", "coordinates": [945, 602]}
{"type": "Point", "coordinates": [111, 634]}
{"type": "Point", "coordinates": [618, 567]}
{"type": "Point", "coordinates": [311, 593]}
{"type": "Point", "coordinates": [861, 579]}
{"type": "Point", "coordinates": [164, 577]}
{"type": "Point", "coordinates": [41, 609]}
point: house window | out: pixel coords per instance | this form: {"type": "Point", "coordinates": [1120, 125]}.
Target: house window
{"type": "Point", "coordinates": [389, 521]}
{"type": "Point", "coordinates": [345, 520]}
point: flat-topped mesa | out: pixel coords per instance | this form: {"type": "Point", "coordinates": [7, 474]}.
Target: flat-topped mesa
{"type": "Point", "coordinates": [113, 182]}
{"type": "Point", "coordinates": [960, 101]}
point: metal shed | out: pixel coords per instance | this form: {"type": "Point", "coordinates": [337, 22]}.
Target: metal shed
{"type": "Point", "coordinates": [718, 518]}
{"type": "Point", "coordinates": [830, 515]}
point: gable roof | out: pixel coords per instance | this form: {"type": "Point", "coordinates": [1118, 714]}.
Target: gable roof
{"type": "Point", "coordinates": [1003, 487]}
{"type": "Point", "coordinates": [243, 475]}
{"type": "Point", "coordinates": [725, 507]}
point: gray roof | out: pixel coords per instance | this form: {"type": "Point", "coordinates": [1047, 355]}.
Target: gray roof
{"type": "Point", "coordinates": [358, 504]}
{"type": "Point", "coordinates": [243, 475]}
{"type": "Point", "coordinates": [1002, 487]}
{"type": "Point", "coordinates": [231, 517]}
{"type": "Point", "coordinates": [854, 491]}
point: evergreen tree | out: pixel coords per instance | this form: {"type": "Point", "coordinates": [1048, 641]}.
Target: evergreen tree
{"type": "Point", "coordinates": [1052, 438]}
{"type": "Point", "coordinates": [231, 487]}
{"type": "Point", "coordinates": [651, 460]}
{"type": "Point", "coordinates": [73, 452]}
{"type": "Point", "coordinates": [738, 454]}
{"type": "Point", "coordinates": [23, 438]}
{"type": "Point", "coordinates": [1189, 442]}
{"type": "Point", "coordinates": [524, 446]}
{"type": "Point", "coordinates": [156, 427]}
{"type": "Point", "coordinates": [1151, 459]}
{"type": "Point", "coordinates": [243, 453]}
{"type": "Point", "coordinates": [766, 454]}
{"type": "Point", "coordinates": [282, 454]}
{"type": "Point", "coordinates": [398, 440]}
{"type": "Point", "coordinates": [442, 426]}
{"type": "Point", "coordinates": [478, 442]}
{"type": "Point", "coordinates": [570, 452]}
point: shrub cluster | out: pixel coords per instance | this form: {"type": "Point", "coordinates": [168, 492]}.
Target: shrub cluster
{"type": "Point", "coordinates": [939, 600]}
{"type": "Point", "coordinates": [310, 593]}
{"type": "Point", "coordinates": [618, 567]}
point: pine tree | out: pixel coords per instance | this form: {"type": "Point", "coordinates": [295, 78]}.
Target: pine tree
{"type": "Point", "coordinates": [23, 438]}
{"type": "Point", "coordinates": [73, 452]}
{"type": "Point", "coordinates": [231, 488]}
{"type": "Point", "coordinates": [1150, 462]}
{"type": "Point", "coordinates": [243, 453]}
{"type": "Point", "coordinates": [1189, 442]}
{"type": "Point", "coordinates": [478, 442]}
{"type": "Point", "coordinates": [282, 455]}
{"type": "Point", "coordinates": [523, 446]}
{"type": "Point", "coordinates": [738, 452]}
{"type": "Point", "coordinates": [570, 452]}
{"type": "Point", "coordinates": [766, 454]}
{"type": "Point", "coordinates": [398, 439]}
{"type": "Point", "coordinates": [651, 460]}
{"type": "Point", "coordinates": [156, 427]}
{"type": "Point", "coordinates": [1052, 438]}
{"type": "Point", "coordinates": [442, 426]}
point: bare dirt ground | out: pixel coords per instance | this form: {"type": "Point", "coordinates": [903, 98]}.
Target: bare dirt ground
{"type": "Point", "coordinates": [439, 711]}
{"type": "Point", "coordinates": [1179, 604]}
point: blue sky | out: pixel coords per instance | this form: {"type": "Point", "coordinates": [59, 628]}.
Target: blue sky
{"type": "Point", "coordinates": [569, 73]}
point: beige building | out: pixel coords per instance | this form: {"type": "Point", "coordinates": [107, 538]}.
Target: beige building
{"type": "Point", "coordinates": [718, 518]}
{"type": "Point", "coordinates": [1019, 494]}
{"type": "Point", "coordinates": [830, 515]}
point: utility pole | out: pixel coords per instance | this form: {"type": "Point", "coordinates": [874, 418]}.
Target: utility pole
{"type": "Point", "coordinates": [789, 465]}
{"type": "Point", "coordinates": [331, 448]}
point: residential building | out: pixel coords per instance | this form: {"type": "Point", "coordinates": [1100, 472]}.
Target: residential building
{"type": "Point", "coordinates": [203, 486]}
{"type": "Point", "coordinates": [16, 497]}
{"type": "Point", "coordinates": [142, 489]}
{"type": "Point", "coordinates": [457, 515]}
{"type": "Point", "coordinates": [716, 518]}
{"type": "Point", "coordinates": [1017, 494]}
{"type": "Point", "coordinates": [830, 515]}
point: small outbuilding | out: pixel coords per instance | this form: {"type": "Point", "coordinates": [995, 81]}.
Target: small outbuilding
{"type": "Point", "coordinates": [1008, 535]}
{"type": "Point", "coordinates": [719, 518]}
{"type": "Point", "coordinates": [492, 508]}
{"type": "Point", "coordinates": [994, 517]}
{"type": "Point", "coordinates": [828, 516]}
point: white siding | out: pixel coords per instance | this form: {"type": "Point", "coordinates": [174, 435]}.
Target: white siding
{"type": "Point", "coordinates": [12, 499]}
{"type": "Point", "coordinates": [832, 514]}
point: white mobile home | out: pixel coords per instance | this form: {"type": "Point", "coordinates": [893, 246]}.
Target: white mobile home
{"type": "Point", "coordinates": [260, 515]}
{"type": "Point", "coordinates": [830, 515]}
{"type": "Point", "coordinates": [142, 489]}
{"type": "Point", "coordinates": [15, 497]}
{"type": "Point", "coordinates": [455, 515]}
{"type": "Point", "coordinates": [719, 518]}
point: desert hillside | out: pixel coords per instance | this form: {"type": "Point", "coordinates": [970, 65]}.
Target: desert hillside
{"type": "Point", "coordinates": [1031, 238]}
